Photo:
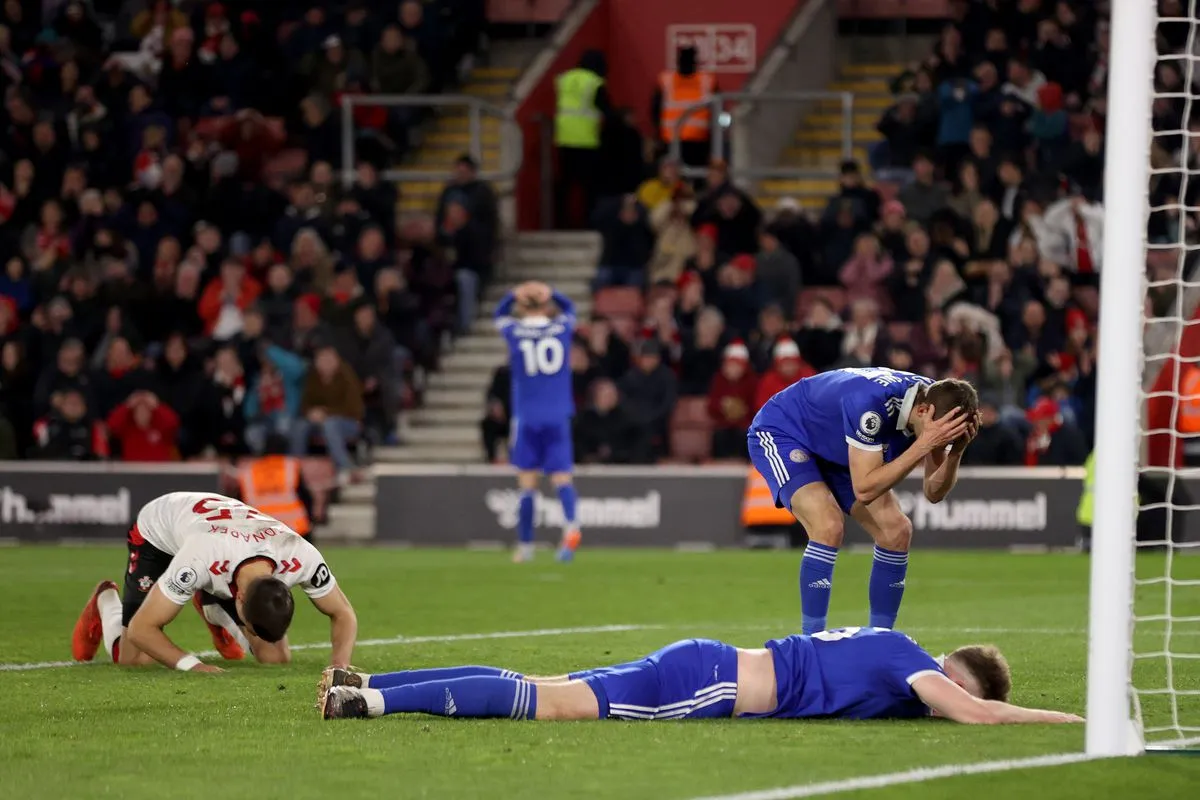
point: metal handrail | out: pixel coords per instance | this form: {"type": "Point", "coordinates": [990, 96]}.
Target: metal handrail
{"type": "Point", "coordinates": [716, 104]}
{"type": "Point", "coordinates": [511, 141]}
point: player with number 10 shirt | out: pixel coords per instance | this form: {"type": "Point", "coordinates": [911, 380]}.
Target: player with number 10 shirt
{"type": "Point", "coordinates": [234, 563]}
{"type": "Point", "coordinates": [537, 324]}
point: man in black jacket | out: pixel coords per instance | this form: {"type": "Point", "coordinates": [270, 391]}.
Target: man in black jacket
{"type": "Point", "coordinates": [648, 392]}
{"type": "Point", "coordinates": [606, 433]}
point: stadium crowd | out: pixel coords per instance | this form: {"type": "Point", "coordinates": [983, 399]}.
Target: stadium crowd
{"type": "Point", "coordinates": [973, 251]}
{"type": "Point", "coordinates": [183, 274]}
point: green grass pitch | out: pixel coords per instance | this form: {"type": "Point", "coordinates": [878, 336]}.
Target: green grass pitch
{"type": "Point", "coordinates": [252, 732]}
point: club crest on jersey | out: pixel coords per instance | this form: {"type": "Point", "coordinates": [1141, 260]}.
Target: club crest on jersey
{"type": "Point", "coordinates": [798, 456]}
{"type": "Point", "coordinates": [870, 423]}
{"type": "Point", "coordinates": [145, 583]}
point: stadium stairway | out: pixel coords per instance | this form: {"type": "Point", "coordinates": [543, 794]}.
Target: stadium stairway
{"type": "Point", "coordinates": [445, 430]}
{"type": "Point", "coordinates": [818, 142]}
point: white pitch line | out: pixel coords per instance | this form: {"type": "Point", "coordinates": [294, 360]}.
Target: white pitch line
{"type": "Point", "coordinates": [898, 778]}
{"type": "Point", "coordinates": [454, 637]}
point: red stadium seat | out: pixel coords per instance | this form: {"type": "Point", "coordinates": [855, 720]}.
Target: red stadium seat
{"type": "Point", "coordinates": [657, 291]}
{"type": "Point", "coordinates": [626, 326]}
{"type": "Point", "coordinates": [618, 301]}
{"type": "Point", "coordinates": [690, 445]}
{"type": "Point", "coordinates": [691, 412]}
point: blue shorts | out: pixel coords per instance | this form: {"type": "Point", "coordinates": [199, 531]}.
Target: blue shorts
{"type": "Point", "coordinates": [786, 462]}
{"type": "Point", "coordinates": [692, 679]}
{"type": "Point", "coordinates": [545, 447]}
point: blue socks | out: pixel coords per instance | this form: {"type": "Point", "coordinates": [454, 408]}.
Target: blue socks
{"type": "Point", "coordinates": [816, 581]}
{"type": "Point", "coordinates": [387, 680]}
{"type": "Point", "coordinates": [478, 697]}
{"type": "Point", "coordinates": [568, 497]}
{"type": "Point", "coordinates": [887, 586]}
{"type": "Point", "coordinates": [525, 517]}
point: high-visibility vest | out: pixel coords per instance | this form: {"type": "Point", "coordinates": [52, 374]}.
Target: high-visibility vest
{"type": "Point", "coordinates": [758, 505]}
{"type": "Point", "coordinates": [1189, 401]}
{"type": "Point", "coordinates": [270, 484]}
{"type": "Point", "coordinates": [1085, 511]}
{"type": "Point", "coordinates": [576, 118]}
{"type": "Point", "coordinates": [679, 92]}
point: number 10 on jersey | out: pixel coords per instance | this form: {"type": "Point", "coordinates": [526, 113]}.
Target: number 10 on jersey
{"type": "Point", "coordinates": [542, 356]}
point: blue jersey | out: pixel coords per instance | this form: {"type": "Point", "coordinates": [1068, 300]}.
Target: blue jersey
{"type": "Point", "coordinates": [867, 408]}
{"type": "Point", "coordinates": [539, 350]}
{"type": "Point", "coordinates": [851, 673]}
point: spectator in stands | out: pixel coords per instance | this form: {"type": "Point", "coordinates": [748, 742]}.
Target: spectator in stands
{"type": "Point", "coordinates": [1024, 82]}
{"type": "Point", "coordinates": [180, 381]}
{"type": "Point", "coordinates": [397, 68]}
{"type": "Point", "coordinates": [583, 372]}
{"type": "Point", "coordinates": [666, 185]}
{"type": "Point", "coordinates": [996, 444]}
{"type": "Point", "coordinates": [701, 353]}
{"type": "Point", "coordinates": [609, 351]}
{"type": "Point", "coordinates": [956, 97]}
{"type": "Point", "coordinates": [307, 326]}
{"type": "Point", "coordinates": [472, 260]}
{"type": "Point", "coordinates": [628, 242]}
{"type": "Point", "coordinates": [370, 349]}
{"type": "Point", "coordinates": [16, 393]}
{"type": "Point", "coordinates": [494, 426]}
{"type": "Point", "coordinates": [777, 270]}
{"type": "Point", "coordinates": [144, 428]}
{"type": "Point", "coordinates": [66, 374]}
{"type": "Point", "coordinates": [648, 392]}
{"type": "Point", "coordinates": [9, 448]}
{"type": "Point", "coordinates": [608, 432]}
{"type": "Point", "coordinates": [272, 402]}
{"type": "Point", "coordinates": [787, 367]}
{"type": "Point", "coordinates": [1074, 234]}
{"type": "Point", "coordinates": [737, 220]}
{"type": "Point", "coordinates": [865, 274]}
{"type": "Point", "coordinates": [476, 196]}
{"type": "Point", "coordinates": [222, 406]}
{"type": "Point", "coordinates": [967, 193]}
{"type": "Point", "coordinates": [820, 337]}
{"type": "Point", "coordinates": [332, 405]}
{"type": "Point", "coordinates": [1048, 126]}
{"type": "Point", "coordinates": [328, 70]}
{"type": "Point", "coordinates": [739, 296]}
{"type": "Point", "coordinates": [865, 337]}
{"type": "Point", "coordinates": [838, 235]}
{"type": "Point", "coordinates": [923, 197]}
{"type": "Point", "coordinates": [70, 432]}
{"type": "Point", "coordinates": [685, 86]}
{"type": "Point", "coordinates": [732, 401]}
{"type": "Point", "coordinates": [892, 158]}
{"type": "Point", "coordinates": [675, 240]}
{"type": "Point", "coordinates": [1053, 441]}
{"type": "Point", "coordinates": [226, 298]}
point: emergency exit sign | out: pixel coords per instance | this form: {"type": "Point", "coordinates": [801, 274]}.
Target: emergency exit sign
{"type": "Point", "coordinates": [719, 48]}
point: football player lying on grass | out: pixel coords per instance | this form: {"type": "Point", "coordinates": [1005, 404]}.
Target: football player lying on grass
{"type": "Point", "coordinates": [236, 564]}
{"type": "Point", "coordinates": [851, 673]}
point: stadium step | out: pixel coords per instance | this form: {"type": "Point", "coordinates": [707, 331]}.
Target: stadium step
{"type": "Point", "coordinates": [862, 102]}
{"type": "Point", "coordinates": [832, 136]}
{"type": "Point", "coordinates": [475, 379]}
{"type": "Point", "coordinates": [819, 186]}
{"type": "Point", "coordinates": [444, 434]}
{"type": "Point", "coordinates": [455, 398]}
{"type": "Point", "coordinates": [522, 255]}
{"type": "Point", "coordinates": [861, 86]}
{"type": "Point", "coordinates": [435, 453]}
{"type": "Point", "coordinates": [460, 361]}
{"type": "Point", "coordinates": [550, 273]}
{"type": "Point", "coordinates": [446, 416]}
{"type": "Point", "coordinates": [804, 156]}
{"type": "Point", "coordinates": [492, 345]}
{"type": "Point", "coordinates": [887, 71]}
{"type": "Point", "coordinates": [833, 119]}
{"type": "Point", "coordinates": [348, 522]}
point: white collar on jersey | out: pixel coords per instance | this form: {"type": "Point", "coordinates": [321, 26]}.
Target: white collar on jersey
{"type": "Point", "coordinates": [536, 321]}
{"type": "Point", "coordinates": [941, 660]}
{"type": "Point", "coordinates": [906, 407]}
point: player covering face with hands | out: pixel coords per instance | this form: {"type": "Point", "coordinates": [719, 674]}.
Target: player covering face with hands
{"type": "Point", "coordinates": [838, 443]}
{"type": "Point", "coordinates": [853, 673]}
{"type": "Point", "coordinates": [236, 564]}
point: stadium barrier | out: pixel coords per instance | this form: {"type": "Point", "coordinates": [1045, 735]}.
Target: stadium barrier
{"type": "Point", "coordinates": [63, 501]}
{"type": "Point", "coordinates": [681, 506]}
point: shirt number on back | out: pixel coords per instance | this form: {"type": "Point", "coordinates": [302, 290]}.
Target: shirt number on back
{"type": "Point", "coordinates": [833, 636]}
{"type": "Point", "coordinates": [542, 356]}
{"type": "Point", "coordinates": [215, 510]}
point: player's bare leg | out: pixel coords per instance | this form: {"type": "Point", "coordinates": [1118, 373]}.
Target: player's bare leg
{"type": "Point", "coordinates": [527, 482]}
{"type": "Point", "coordinates": [892, 530]}
{"type": "Point", "coordinates": [226, 636]}
{"type": "Point", "coordinates": [816, 509]}
{"type": "Point", "coordinates": [563, 482]}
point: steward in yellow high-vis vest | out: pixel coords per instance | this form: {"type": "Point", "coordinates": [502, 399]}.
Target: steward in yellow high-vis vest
{"type": "Point", "coordinates": [581, 103]}
{"type": "Point", "coordinates": [1085, 512]}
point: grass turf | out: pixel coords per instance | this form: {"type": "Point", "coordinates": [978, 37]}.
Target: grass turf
{"type": "Point", "coordinates": [97, 730]}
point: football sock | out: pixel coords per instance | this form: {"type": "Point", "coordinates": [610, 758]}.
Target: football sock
{"type": "Point", "coordinates": [215, 615]}
{"type": "Point", "coordinates": [569, 498]}
{"type": "Point", "coordinates": [386, 680]}
{"type": "Point", "coordinates": [108, 603]}
{"type": "Point", "coordinates": [887, 586]}
{"type": "Point", "coordinates": [480, 698]}
{"type": "Point", "coordinates": [525, 517]}
{"type": "Point", "coordinates": [816, 582]}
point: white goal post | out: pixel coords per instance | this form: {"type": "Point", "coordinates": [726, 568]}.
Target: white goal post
{"type": "Point", "coordinates": [1143, 669]}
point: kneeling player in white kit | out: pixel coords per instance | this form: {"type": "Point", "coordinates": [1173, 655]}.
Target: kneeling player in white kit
{"type": "Point", "coordinates": [237, 564]}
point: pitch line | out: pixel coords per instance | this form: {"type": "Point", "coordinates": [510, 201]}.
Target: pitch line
{"type": "Point", "coordinates": [899, 778]}
{"type": "Point", "coordinates": [454, 637]}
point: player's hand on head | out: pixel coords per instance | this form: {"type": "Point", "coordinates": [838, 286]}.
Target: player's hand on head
{"type": "Point", "coordinates": [938, 433]}
{"type": "Point", "coordinates": [973, 423]}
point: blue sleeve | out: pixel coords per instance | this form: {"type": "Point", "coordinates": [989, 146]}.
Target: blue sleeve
{"type": "Point", "coordinates": [503, 315]}
{"type": "Point", "coordinates": [565, 304]}
{"type": "Point", "coordinates": [906, 661]}
{"type": "Point", "coordinates": [290, 365]}
{"type": "Point", "coordinates": [864, 417]}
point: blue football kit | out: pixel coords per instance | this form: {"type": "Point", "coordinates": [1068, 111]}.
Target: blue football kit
{"type": "Point", "coordinates": [542, 402]}
{"type": "Point", "coordinates": [803, 435]}
{"type": "Point", "coordinates": [852, 673]}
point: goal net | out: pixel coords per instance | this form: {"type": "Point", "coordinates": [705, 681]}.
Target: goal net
{"type": "Point", "coordinates": [1144, 640]}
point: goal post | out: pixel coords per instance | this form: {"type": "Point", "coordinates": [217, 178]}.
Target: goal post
{"type": "Point", "coordinates": [1143, 687]}
{"type": "Point", "coordinates": [1111, 729]}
